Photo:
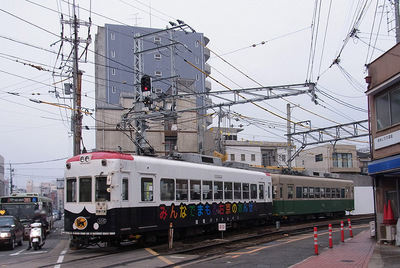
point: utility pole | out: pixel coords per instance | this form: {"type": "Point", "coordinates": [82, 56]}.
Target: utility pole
{"type": "Point", "coordinates": [77, 116]}
{"type": "Point", "coordinates": [397, 19]}
{"type": "Point", "coordinates": [11, 179]}
{"type": "Point", "coordinates": [289, 137]}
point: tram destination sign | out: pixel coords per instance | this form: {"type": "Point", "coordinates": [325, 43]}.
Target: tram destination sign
{"type": "Point", "coordinates": [18, 200]}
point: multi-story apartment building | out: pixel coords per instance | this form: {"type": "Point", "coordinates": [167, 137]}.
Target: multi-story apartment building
{"type": "Point", "coordinates": [165, 56]}
{"type": "Point", "coordinates": [384, 109]}
{"type": "Point", "coordinates": [329, 159]}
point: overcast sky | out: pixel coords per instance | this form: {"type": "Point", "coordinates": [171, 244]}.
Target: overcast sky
{"type": "Point", "coordinates": [31, 132]}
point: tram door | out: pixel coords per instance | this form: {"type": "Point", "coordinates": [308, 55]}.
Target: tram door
{"type": "Point", "coordinates": [289, 199]}
{"type": "Point", "coordinates": [125, 217]}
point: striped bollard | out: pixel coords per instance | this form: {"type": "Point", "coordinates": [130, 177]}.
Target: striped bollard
{"type": "Point", "coordinates": [315, 241]}
{"type": "Point", "coordinates": [330, 236]}
{"type": "Point", "coordinates": [349, 223]}
{"type": "Point", "coordinates": [342, 231]}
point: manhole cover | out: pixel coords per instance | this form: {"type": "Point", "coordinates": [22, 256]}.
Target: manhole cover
{"type": "Point", "coordinates": [347, 261]}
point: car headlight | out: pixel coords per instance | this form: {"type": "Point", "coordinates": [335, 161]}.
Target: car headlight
{"type": "Point", "coordinates": [5, 234]}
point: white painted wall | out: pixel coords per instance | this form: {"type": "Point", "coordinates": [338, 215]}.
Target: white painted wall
{"type": "Point", "coordinates": [363, 200]}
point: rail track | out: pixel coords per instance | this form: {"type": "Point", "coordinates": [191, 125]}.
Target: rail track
{"type": "Point", "coordinates": [211, 245]}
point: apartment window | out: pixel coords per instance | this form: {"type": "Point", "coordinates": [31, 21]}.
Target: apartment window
{"type": "Point", "coordinates": [242, 157]}
{"type": "Point", "coordinates": [170, 143]}
{"type": "Point", "coordinates": [112, 53]}
{"type": "Point", "coordinates": [158, 74]}
{"type": "Point", "coordinates": [112, 36]}
{"type": "Point", "coordinates": [197, 60]}
{"type": "Point", "coordinates": [253, 157]}
{"type": "Point", "coordinates": [157, 40]}
{"type": "Point", "coordinates": [342, 160]}
{"type": "Point", "coordinates": [157, 56]}
{"type": "Point", "coordinates": [318, 158]}
{"type": "Point", "coordinates": [158, 90]}
{"type": "Point", "coordinates": [113, 71]}
{"type": "Point", "coordinates": [197, 77]}
{"type": "Point", "coordinates": [113, 90]}
{"type": "Point", "coordinates": [196, 44]}
{"type": "Point", "coordinates": [232, 157]}
{"type": "Point", "coordinates": [388, 109]}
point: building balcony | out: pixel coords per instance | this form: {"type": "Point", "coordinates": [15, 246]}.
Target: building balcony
{"type": "Point", "coordinates": [207, 68]}
{"type": "Point", "coordinates": [208, 86]}
{"type": "Point", "coordinates": [207, 54]}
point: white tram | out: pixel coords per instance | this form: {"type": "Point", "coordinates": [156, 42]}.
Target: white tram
{"type": "Point", "coordinates": [113, 197]}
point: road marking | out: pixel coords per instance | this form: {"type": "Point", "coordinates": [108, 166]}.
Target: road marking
{"type": "Point", "coordinates": [14, 254]}
{"type": "Point", "coordinates": [152, 252]}
{"type": "Point", "coordinates": [60, 259]}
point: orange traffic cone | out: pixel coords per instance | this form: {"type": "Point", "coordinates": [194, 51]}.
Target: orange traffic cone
{"type": "Point", "coordinates": [389, 214]}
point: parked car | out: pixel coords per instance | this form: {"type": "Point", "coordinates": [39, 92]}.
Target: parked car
{"type": "Point", "coordinates": [11, 231]}
{"type": "Point", "coordinates": [56, 214]}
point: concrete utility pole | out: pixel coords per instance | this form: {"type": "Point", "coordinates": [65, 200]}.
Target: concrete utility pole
{"type": "Point", "coordinates": [77, 115]}
{"type": "Point", "coordinates": [397, 19]}
{"type": "Point", "coordinates": [289, 137]}
{"type": "Point", "coordinates": [11, 179]}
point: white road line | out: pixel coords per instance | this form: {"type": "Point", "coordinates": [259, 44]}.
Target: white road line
{"type": "Point", "coordinates": [14, 254]}
{"type": "Point", "coordinates": [60, 259]}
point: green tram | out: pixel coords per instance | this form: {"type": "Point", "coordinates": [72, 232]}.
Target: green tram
{"type": "Point", "coordinates": [301, 197]}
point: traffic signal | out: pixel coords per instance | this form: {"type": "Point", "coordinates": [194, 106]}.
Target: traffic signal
{"type": "Point", "coordinates": [145, 83]}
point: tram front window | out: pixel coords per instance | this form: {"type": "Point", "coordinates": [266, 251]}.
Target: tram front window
{"type": "Point", "coordinates": [101, 189]}
{"type": "Point", "coordinates": [85, 190]}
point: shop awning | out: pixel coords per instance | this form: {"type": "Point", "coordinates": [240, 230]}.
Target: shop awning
{"type": "Point", "coordinates": [386, 165]}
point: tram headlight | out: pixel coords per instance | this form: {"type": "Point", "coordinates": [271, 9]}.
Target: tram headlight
{"type": "Point", "coordinates": [5, 234]}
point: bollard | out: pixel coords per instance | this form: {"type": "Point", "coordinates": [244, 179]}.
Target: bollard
{"type": "Point", "coordinates": [277, 225]}
{"type": "Point", "coordinates": [315, 241]}
{"type": "Point", "coordinates": [330, 236]}
{"type": "Point", "coordinates": [170, 236]}
{"type": "Point", "coordinates": [342, 231]}
{"type": "Point", "coordinates": [349, 223]}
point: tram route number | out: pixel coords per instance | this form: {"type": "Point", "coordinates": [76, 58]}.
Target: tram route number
{"type": "Point", "coordinates": [221, 226]}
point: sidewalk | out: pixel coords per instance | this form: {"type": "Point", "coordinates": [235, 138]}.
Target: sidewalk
{"type": "Point", "coordinates": [355, 252]}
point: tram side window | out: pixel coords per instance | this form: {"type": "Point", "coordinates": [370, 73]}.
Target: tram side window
{"type": "Point", "coordinates": [195, 190]}
{"type": "Point", "coordinates": [71, 190]}
{"type": "Point", "coordinates": [245, 191]}
{"type": "Point", "coordinates": [317, 191]}
{"type": "Point", "coordinates": [147, 189]}
{"type": "Point", "coordinates": [274, 189]}
{"type": "Point", "coordinates": [182, 190]}
{"type": "Point", "coordinates": [85, 190]}
{"type": "Point", "coordinates": [261, 191]}
{"type": "Point", "coordinates": [298, 192]}
{"type": "Point", "coordinates": [101, 189]}
{"type": "Point", "coordinates": [269, 191]}
{"type": "Point", "coordinates": [280, 191]}
{"type": "Point", "coordinates": [237, 190]}
{"type": "Point", "coordinates": [167, 189]}
{"type": "Point", "coordinates": [311, 192]}
{"type": "Point", "coordinates": [253, 191]}
{"type": "Point", "coordinates": [207, 190]}
{"type": "Point", "coordinates": [228, 190]}
{"type": "Point", "coordinates": [218, 190]}
{"type": "Point", "coordinates": [290, 192]}
{"type": "Point", "coordinates": [342, 195]}
{"type": "Point", "coordinates": [305, 192]}
{"type": "Point", "coordinates": [328, 192]}
{"type": "Point", "coordinates": [125, 189]}
{"type": "Point", "coordinates": [337, 193]}
{"type": "Point", "coordinates": [322, 192]}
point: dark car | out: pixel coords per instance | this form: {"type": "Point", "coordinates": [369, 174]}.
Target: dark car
{"type": "Point", "coordinates": [11, 231]}
{"type": "Point", "coordinates": [56, 214]}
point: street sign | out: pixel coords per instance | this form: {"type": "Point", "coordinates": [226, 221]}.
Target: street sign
{"type": "Point", "coordinates": [221, 226]}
